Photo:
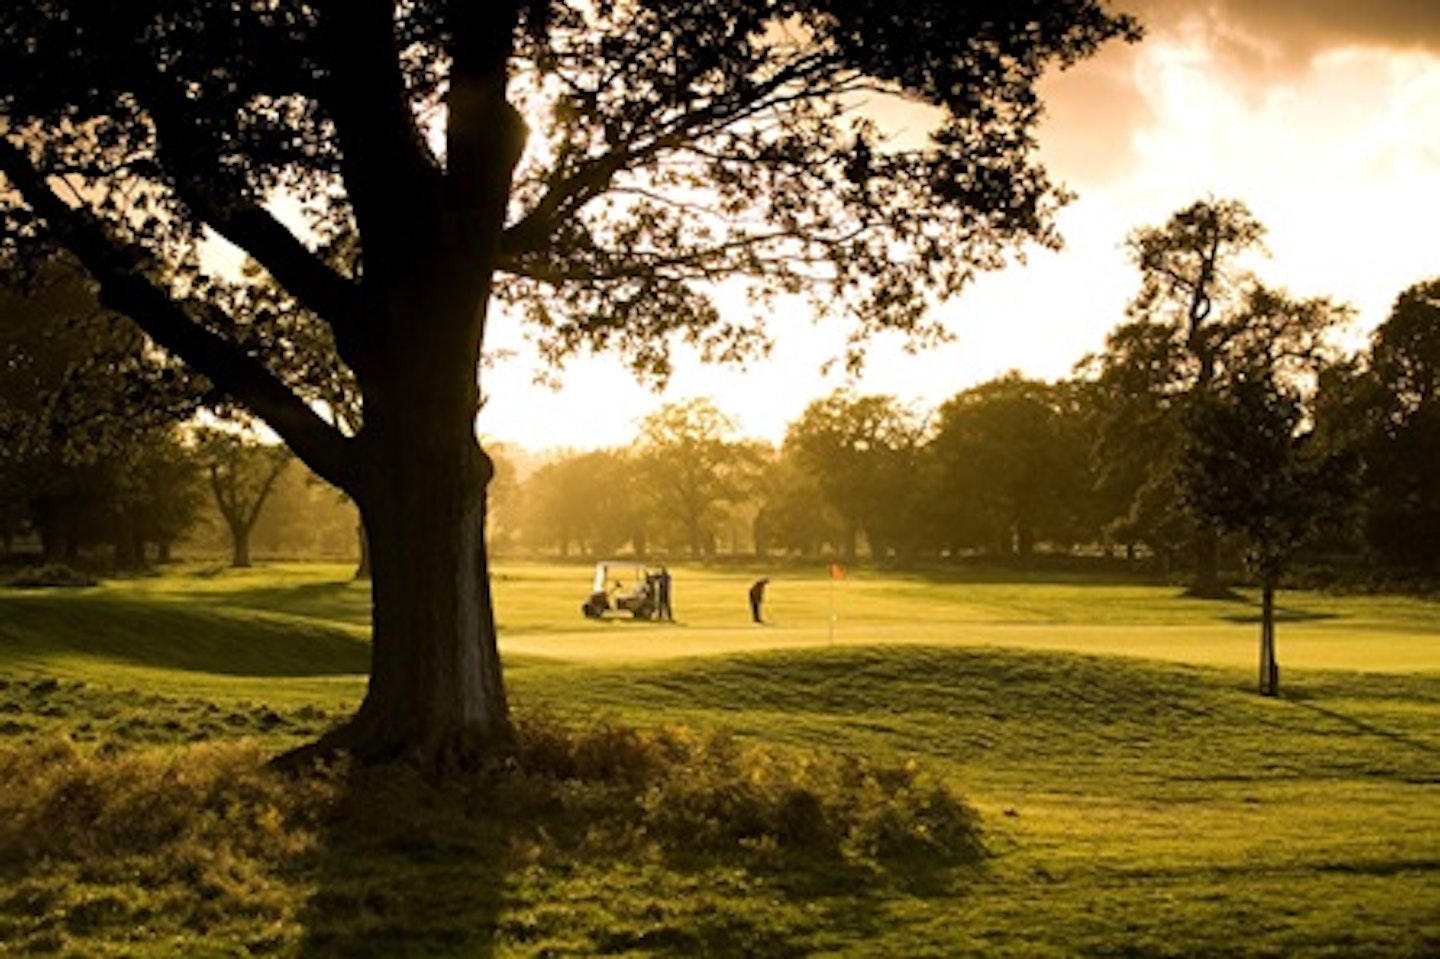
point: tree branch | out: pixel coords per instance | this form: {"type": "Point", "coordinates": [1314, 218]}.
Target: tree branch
{"type": "Point", "coordinates": [567, 194]}
{"type": "Point", "coordinates": [390, 174]}
{"type": "Point", "coordinates": [125, 288]}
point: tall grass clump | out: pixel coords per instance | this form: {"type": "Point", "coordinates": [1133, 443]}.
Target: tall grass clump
{"type": "Point", "coordinates": [158, 846]}
{"type": "Point", "coordinates": [175, 809]}
{"type": "Point", "coordinates": [678, 790]}
{"type": "Point", "coordinates": [164, 844]}
{"type": "Point", "coordinates": [669, 789]}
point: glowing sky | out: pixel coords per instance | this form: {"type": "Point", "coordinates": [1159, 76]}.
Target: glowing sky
{"type": "Point", "coordinates": [1322, 115]}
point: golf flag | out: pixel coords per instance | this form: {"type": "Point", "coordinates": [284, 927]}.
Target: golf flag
{"type": "Point", "coordinates": [837, 572]}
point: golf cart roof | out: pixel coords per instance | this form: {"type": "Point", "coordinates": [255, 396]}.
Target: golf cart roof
{"type": "Point", "coordinates": [608, 569]}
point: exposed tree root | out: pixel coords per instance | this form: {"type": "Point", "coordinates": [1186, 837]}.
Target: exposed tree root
{"type": "Point", "coordinates": [434, 755]}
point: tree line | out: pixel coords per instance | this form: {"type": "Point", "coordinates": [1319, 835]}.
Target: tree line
{"type": "Point", "coordinates": [1224, 421]}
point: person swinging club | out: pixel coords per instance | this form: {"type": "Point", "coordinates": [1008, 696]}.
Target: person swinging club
{"type": "Point", "coordinates": [757, 598]}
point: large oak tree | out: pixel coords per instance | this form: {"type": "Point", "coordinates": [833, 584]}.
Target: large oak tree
{"type": "Point", "coordinates": [595, 165]}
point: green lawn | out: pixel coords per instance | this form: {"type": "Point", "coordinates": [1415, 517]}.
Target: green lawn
{"type": "Point", "coordinates": [1136, 798]}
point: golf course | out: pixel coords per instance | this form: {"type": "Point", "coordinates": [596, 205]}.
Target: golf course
{"type": "Point", "coordinates": [959, 763]}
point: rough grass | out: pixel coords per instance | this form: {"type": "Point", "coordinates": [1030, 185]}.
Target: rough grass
{"type": "Point", "coordinates": [712, 788]}
{"type": "Point", "coordinates": [151, 850]}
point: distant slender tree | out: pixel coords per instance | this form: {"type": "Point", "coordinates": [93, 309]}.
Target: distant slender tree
{"type": "Point", "coordinates": [242, 473]}
{"type": "Point", "coordinates": [1253, 464]}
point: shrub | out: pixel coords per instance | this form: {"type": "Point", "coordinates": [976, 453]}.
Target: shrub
{"type": "Point", "coordinates": [689, 792]}
{"type": "Point", "coordinates": [51, 574]}
{"type": "Point", "coordinates": [214, 817]}
{"type": "Point", "coordinates": [57, 802]}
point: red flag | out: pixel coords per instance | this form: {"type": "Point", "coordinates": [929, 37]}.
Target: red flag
{"type": "Point", "coordinates": [837, 571]}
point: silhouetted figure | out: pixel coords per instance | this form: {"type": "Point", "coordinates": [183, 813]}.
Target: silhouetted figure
{"type": "Point", "coordinates": [757, 598]}
{"type": "Point", "coordinates": [662, 583]}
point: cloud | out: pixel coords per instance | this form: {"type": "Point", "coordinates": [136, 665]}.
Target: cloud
{"type": "Point", "coordinates": [1288, 34]}
{"type": "Point", "coordinates": [1094, 109]}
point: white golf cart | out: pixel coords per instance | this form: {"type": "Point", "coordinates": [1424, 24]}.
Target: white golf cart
{"type": "Point", "coordinates": [621, 587]}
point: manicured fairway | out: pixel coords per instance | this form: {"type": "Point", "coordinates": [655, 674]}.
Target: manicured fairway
{"type": "Point", "coordinates": [1136, 797]}
{"type": "Point", "coordinates": [808, 609]}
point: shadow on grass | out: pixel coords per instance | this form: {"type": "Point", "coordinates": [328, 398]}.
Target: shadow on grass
{"type": "Point", "coordinates": [402, 870]}
{"type": "Point", "coordinates": [1282, 615]}
{"type": "Point", "coordinates": [176, 636]}
{"type": "Point", "coordinates": [343, 601]}
{"type": "Point", "coordinates": [1365, 727]}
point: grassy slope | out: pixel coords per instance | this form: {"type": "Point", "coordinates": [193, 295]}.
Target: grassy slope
{"type": "Point", "coordinates": [1138, 798]}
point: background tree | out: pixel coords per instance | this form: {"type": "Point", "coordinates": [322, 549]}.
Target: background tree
{"type": "Point", "coordinates": [242, 473]}
{"type": "Point", "coordinates": [1136, 439]}
{"type": "Point", "coordinates": [593, 501]}
{"type": "Point", "coordinates": [1192, 282]}
{"type": "Point", "coordinates": [1401, 446]}
{"type": "Point", "coordinates": [670, 144]}
{"type": "Point", "coordinates": [162, 493]}
{"type": "Point", "coordinates": [791, 513]}
{"type": "Point", "coordinates": [87, 414]}
{"type": "Point", "coordinates": [308, 362]}
{"type": "Point", "coordinates": [690, 466]}
{"type": "Point", "coordinates": [503, 497]}
{"type": "Point", "coordinates": [1007, 467]}
{"type": "Point", "coordinates": [1252, 463]}
{"type": "Point", "coordinates": [862, 453]}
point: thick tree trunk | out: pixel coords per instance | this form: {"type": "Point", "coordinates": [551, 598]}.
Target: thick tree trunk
{"type": "Point", "coordinates": [362, 569]}
{"type": "Point", "coordinates": [239, 545]}
{"type": "Point", "coordinates": [436, 696]}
